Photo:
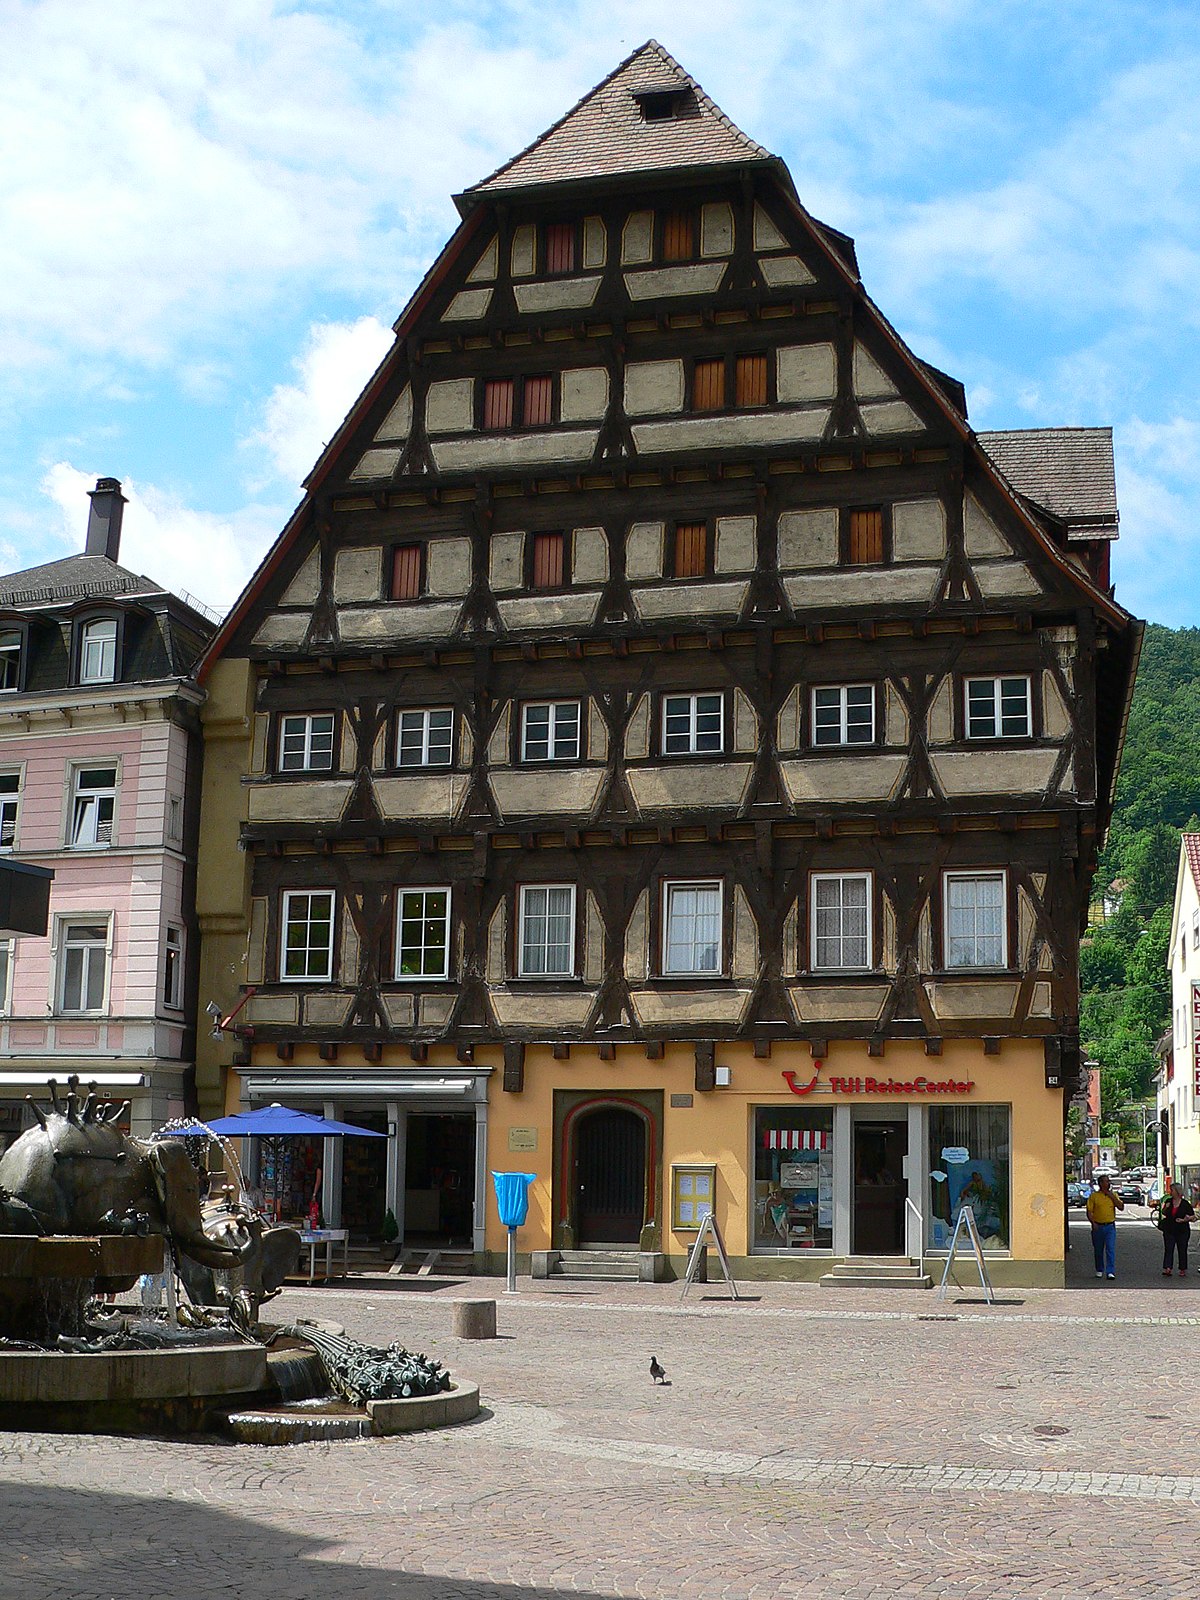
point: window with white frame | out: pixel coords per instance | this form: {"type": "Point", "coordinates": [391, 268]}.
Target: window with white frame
{"type": "Point", "coordinates": [10, 805]}
{"type": "Point", "coordinates": [546, 944]}
{"type": "Point", "coordinates": [423, 933]}
{"type": "Point", "coordinates": [307, 942]}
{"type": "Point", "coordinates": [93, 807]}
{"type": "Point", "coordinates": [11, 640]}
{"type": "Point", "coordinates": [82, 967]}
{"type": "Point", "coordinates": [998, 708]}
{"type": "Point", "coordinates": [425, 738]}
{"type": "Point", "coordinates": [841, 921]}
{"type": "Point", "coordinates": [976, 919]}
{"type": "Point", "coordinates": [693, 724]}
{"type": "Point", "coordinates": [306, 742]}
{"type": "Point", "coordinates": [173, 969]}
{"type": "Point", "coordinates": [844, 714]}
{"type": "Point", "coordinates": [7, 952]}
{"type": "Point", "coordinates": [98, 650]}
{"type": "Point", "coordinates": [550, 730]}
{"type": "Point", "coordinates": [692, 928]}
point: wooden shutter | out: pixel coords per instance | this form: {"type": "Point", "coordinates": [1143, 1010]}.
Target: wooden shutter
{"type": "Point", "coordinates": [678, 236]}
{"type": "Point", "coordinates": [691, 549]}
{"type": "Point", "coordinates": [708, 385]}
{"type": "Point", "coordinates": [560, 247]}
{"type": "Point", "coordinates": [538, 405]}
{"type": "Point", "coordinates": [547, 560]}
{"type": "Point", "coordinates": [866, 538]}
{"type": "Point", "coordinates": [498, 403]}
{"type": "Point", "coordinates": [406, 572]}
{"type": "Point", "coordinates": [751, 386]}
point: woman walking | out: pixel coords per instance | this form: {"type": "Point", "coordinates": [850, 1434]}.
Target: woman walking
{"type": "Point", "coordinates": [1175, 1217]}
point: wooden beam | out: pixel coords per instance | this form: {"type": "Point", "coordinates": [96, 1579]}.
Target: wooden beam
{"type": "Point", "coordinates": [327, 1051]}
{"type": "Point", "coordinates": [285, 1050]}
{"type": "Point", "coordinates": [607, 1052]}
{"type": "Point", "coordinates": [706, 1066]}
{"type": "Point", "coordinates": [762, 1049]}
{"type": "Point", "coordinates": [654, 1049]}
{"type": "Point", "coordinates": [933, 1047]}
{"type": "Point", "coordinates": [514, 1067]}
{"type": "Point", "coordinates": [561, 1051]}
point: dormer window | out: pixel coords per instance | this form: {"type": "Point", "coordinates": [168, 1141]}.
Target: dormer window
{"type": "Point", "coordinates": [663, 105]}
{"type": "Point", "coordinates": [11, 641]}
{"type": "Point", "coordinates": [98, 650]}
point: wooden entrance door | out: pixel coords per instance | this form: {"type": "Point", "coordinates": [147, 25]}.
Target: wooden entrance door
{"type": "Point", "coordinates": [610, 1176]}
{"type": "Point", "coordinates": [880, 1188]}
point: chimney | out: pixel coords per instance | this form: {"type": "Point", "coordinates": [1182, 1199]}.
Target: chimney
{"type": "Point", "coordinates": [104, 519]}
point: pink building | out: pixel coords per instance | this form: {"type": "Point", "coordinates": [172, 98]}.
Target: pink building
{"type": "Point", "coordinates": [98, 753]}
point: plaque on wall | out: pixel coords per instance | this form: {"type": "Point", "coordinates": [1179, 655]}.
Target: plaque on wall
{"type": "Point", "coordinates": [522, 1138]}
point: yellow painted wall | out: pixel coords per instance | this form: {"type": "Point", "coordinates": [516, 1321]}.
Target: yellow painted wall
{"type": "Point", "coordinates": [223, 871]}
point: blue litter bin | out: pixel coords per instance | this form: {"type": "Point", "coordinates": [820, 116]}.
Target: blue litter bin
{"type": "Point", "coordinates": [512, 1202]}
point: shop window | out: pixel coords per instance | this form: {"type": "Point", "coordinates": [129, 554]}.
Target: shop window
{"type": "Point", "coordinates": [407, 572]}
{"type": "Point", "coordinates": [498, 404]}
{"type": "Point", "coordinates": [306, 743]}
{"type": "Point", "coordinates": [10, 805]}
{"type": "Point", "coordinates": [691, 550]}
{"type": "Point", "coordinates": [547, 561]}
{"type": "Point", "coordinates": [425, 738]}
{"type": "Point", "coordinates": [550, 731]}
{"type": "Point", "coordinates": [793, 1179]}
{"type": "Point", "coordinates": [999, 708]}
{"type": "Point", "coordinates": [93, 807]}
{"type": "Point", "coordinates": [691, 928]}
{"type": "Point", "coordinates": [11, 641]}
{"type": "Point", "coordinates": [750, 381]}
{"type": "Point", "coordinates": [693, 724]}
{"type": "Point", "coordinates": [708, 385]}
{"type": "Point", "coordinates": [844, 714]}
{"type": "Point", "coordinates": [537, 402]}
{"type": "Point", "coordinates": [546, 944]}
{"type": "Point", "coordinates": [98, 650]}
{"type": "Point", "coordinates": [307, 935]}
{"type": "Point", "coordinates": [423, 933]}
{"type": "Point", "coordinates": [841, 921]}
{"type": "Point", "coordinates": [970, 1163]}
{"type": "Point", "coordinates": [173, 969]}
{"type": "Point", "coordinates": [560, 247]}
{"type": "Point", "coordinates": [865, 542]}
{"type": "Point", "coordinates": [679, 236]}
{"type": "Point", "coordinates": [83, 968]}
{"type": "Point", "coordinates": [976, 919]}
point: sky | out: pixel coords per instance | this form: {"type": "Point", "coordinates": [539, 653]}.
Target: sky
{"type": "Point", "coordinates": [210, 217]}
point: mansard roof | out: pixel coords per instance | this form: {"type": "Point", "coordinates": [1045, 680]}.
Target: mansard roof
{"type": "Point", "coordinates": [74, 578]}
{"type": "Point", "coordinates": [1068, 472]}
{"type": "Point", "coordinates": [607, 134]}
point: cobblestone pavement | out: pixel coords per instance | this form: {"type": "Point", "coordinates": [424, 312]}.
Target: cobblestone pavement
{"type": "Point", "coordinates": [809, 1444]}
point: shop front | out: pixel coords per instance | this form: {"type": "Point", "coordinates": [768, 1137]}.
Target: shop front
{"type": "Point", "coordinates": [427, 1171]}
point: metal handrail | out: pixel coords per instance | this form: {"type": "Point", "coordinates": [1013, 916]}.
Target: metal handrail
{"type": "Point", "coordinates": [911, 1205]}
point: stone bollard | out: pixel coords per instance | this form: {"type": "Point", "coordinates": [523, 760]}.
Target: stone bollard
{"type": "Point", "coordinates": [475, 1319]}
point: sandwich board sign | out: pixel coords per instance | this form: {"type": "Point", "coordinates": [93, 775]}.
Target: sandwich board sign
{"type": "Point", "coordinates": [708, 1231]}
{"type": "Point", "coordinates": [966, 1237]}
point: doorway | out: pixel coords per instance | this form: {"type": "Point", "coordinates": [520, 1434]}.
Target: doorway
{"type": "Point", "coordinates": [610, 1177]}
{"type": "Point", "coordinates": [439, 1182]}
{"type": "Point", "coordinates": [880, 1188]}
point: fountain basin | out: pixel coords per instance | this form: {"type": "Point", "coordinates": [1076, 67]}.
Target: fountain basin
{"type": "Point", "coordinates": [46, 1282]}
{"type": "Point", "coordinates": [459, 1403]}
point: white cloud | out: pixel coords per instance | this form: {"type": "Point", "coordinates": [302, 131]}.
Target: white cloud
{"type": "Point", "coordinates": [206, 554]}
{"type": "Point", "coordinates": [300, 418]}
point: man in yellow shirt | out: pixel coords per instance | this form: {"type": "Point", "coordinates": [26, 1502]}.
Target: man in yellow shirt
{"type": "Point", "coordinates": [1102, 1208]}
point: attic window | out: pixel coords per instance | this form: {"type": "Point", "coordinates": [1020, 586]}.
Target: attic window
{"type": "Point", "coordinates": [662, 105]}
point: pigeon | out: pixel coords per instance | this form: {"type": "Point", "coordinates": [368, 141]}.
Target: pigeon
{"type": "Point", "coordinates": [657, 1373]}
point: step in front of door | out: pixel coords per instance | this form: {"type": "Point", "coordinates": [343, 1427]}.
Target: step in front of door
{"type": "Point", "coordinates": [877, 1272]}
{"type": "Point", "coordinates": [613, 1266]}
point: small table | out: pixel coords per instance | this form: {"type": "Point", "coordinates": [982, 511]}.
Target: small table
{"type": "Point", "coordinates": [314, 1238]}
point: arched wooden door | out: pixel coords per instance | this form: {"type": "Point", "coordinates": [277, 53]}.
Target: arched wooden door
{"type": "Point", "coordinates": [610, 1176]}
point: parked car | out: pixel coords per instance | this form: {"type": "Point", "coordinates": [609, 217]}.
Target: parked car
{"type": "Point", "coordinates": [1131, 1190]}
{"type": "Point", "coordinates": [1078, 1190]}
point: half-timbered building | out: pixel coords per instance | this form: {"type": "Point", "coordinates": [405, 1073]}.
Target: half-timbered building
{"type": "Point", "coordinates": [667, 749]}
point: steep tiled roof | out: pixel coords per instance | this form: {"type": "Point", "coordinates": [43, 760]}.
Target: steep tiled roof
{"type": "Point", "coordinates": [1067, 471]}
{"type": "Point", "coordinates": [73, 578]}
{"type": "Point", "coordinates": [1191, 846]}
{"type": "Point", "coordinates": [605, 134]}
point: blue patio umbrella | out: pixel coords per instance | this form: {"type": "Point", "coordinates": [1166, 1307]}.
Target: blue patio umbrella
{"type": "Point", "coordinates": [281, 1122]}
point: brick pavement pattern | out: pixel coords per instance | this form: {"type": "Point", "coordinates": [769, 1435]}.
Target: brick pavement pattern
{"type": "Point", "coordinates": [810, 1445]}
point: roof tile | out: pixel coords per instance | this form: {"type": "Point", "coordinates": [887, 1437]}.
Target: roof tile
{"type": "Point", "coordinates": [1068, 472]}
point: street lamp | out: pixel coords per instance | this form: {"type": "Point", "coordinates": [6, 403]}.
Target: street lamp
{"type": "Point", "coordinates": [1149, 1115]}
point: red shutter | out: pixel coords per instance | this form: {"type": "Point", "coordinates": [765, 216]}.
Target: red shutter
{"type": "Point", "coordinates": [678, 236]}
{"type": "Point", "coordinates": [498, 403]}
{"type": "Point", "coordinates": [560, 247]}
{"type": "Point", "coordinates": [547, 560]}
{"type": "Point", "coordinates": [406, 572]}
{"type": "Point", "coordinates": [866, 538]}
{"type": "Point", "coordinates": [708, 385]}
{"type": "Point", "coordinates": [751, 381]}
{"type": "Point", "coordinates": [539, 402]}
{"type": "Point", "coordinates": [691, 549]}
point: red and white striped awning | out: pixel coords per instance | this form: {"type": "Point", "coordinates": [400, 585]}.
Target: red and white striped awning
{"type": "Point", "coordinates": [795, 1139]}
